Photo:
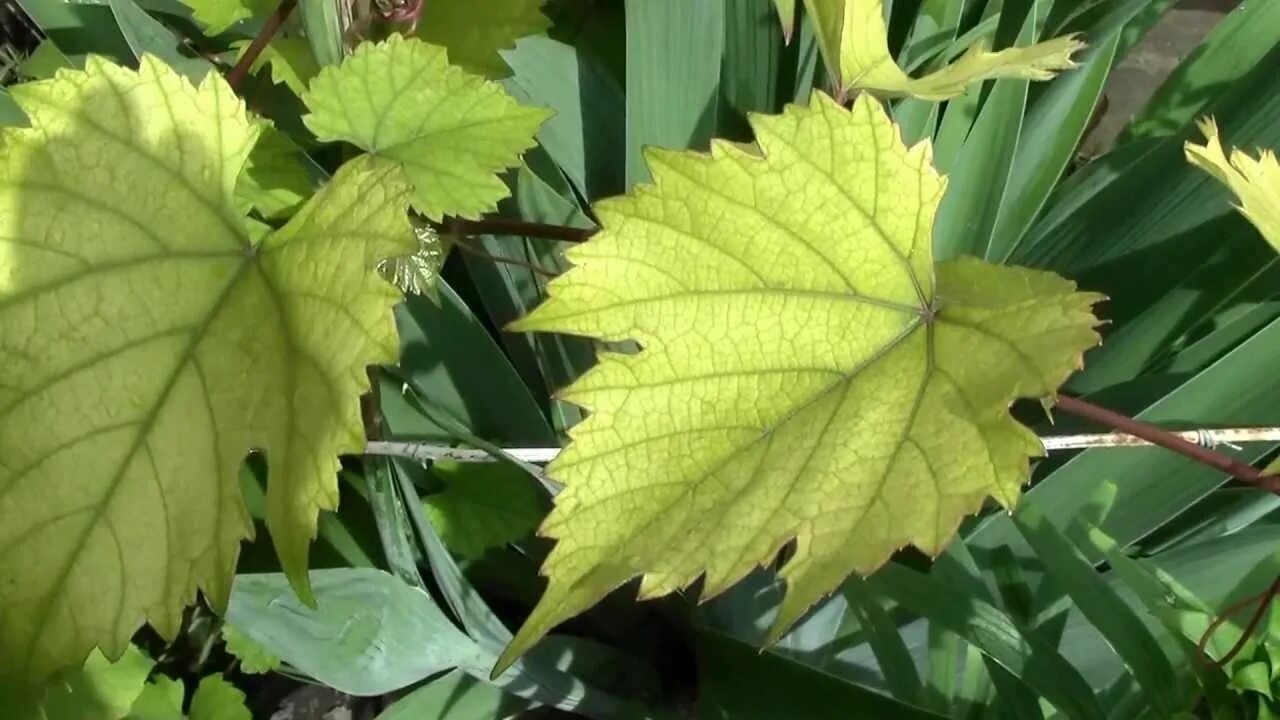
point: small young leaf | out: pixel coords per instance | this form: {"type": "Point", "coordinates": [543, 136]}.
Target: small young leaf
{"type": "Point", "coordinates": [254, 659]}
{"type": "Point", "coordinates": [1254, 181]}
{"type": "Point", "coordinates": [98, 690]}
{"type": "Point", "coordinates": [216, 16]}
{"type": "Point", "coordinates": [855, 42]}
{"type": "Point", "coordinates": [453, 131]}
{"type": "Point", "coordinates": [473, 33]}
{"type": "Point", "coordinates": [161, 699]}
{"type": "Point", "coordinates": [482, 506]}
{"type": "Point", "coordinates": [217, 699]}
{"type": "Point", "coordinates": [150, 338]}
{"type": "Point", "coordinates": [805, 373]}
{"type": "Point", "coordinates": [293, 64]}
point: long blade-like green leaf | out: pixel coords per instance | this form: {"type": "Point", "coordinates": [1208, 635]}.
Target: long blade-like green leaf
{"type": "Point", "coordinates": [1102, 606]}
{"type": "Point", "coordinates": [980, 623]}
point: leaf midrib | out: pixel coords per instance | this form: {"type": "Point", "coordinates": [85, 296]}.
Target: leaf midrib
{"type": "Point", "coordinates": [145, 425]}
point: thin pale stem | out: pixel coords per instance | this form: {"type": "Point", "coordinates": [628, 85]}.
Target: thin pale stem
{"type": "Point", "coordinates": [240, 71]}
{"type": "Point", "coordinates": [426, 452]}
{"type": "Point", "coordinates": [1170, 441]}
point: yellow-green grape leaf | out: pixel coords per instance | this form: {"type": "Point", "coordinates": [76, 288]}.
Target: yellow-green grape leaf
{"type": "Point", "coordinates": [216, 16]}
{"type": "Point", "coordinates": [805, 373]}
{"type": "Point", "coordinates": [217, 699]}
{"type": "Point", "coordinates": [150, 338]}
{"type": "Point", "coordinates": [274, 182]}
{"type": "Point", "coordinates": [1255, 181]}
{"type": "Point", "coordinates": [98, 690]}
{"type": "Point", "coordinates": [452, 131]}
{"type": "Point", "coordinates": [482, 506]}
{"type": "Point", "coordinates": [417, 273]}
{"type": "Point", "coordinates": [254, 658]}
{"type": "Point", "coordinates": [473, 32]}
{"type": "Point", "coordinates": [854, 40]}
{"type": "Point", "coordinates": [292, 62]}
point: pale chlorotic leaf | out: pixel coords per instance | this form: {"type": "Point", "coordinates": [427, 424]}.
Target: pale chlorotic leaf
{"type": "Point", "coordinates": [452, 131]}
{"type": "Point", "coordinates": [804, 373]}
{"type": "Point", "coordinates": [150, 338]}
{"type": "Point", "coordinates": [254, 659]}
{"type": "Point", "coordinates": [854, 40]}
{"type": "Point", "coordinates": [417, 273]}
{"type": "Point", "coordinates": [292, 62]}
{"type": "Point", "coordinates": [217, 16]}
{"type": "Point", "coordinates": [161, 699]}
{"type": "Point", "coordinates": [482, 506]}
{"type": "Point", "coordinates": [1255, 181]}
{"type": "Point", "coordinates": [99, 690]}
{"type": "Point", "coordinates": [473, 33]}
{"type": "Point", "coordinates": [274, 182]}
{"type": "Point", "coordinates": [217, 699]}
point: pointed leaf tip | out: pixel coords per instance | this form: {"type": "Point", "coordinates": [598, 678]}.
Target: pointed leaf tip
{"type": "Point", "coordinates": [1255, 181]}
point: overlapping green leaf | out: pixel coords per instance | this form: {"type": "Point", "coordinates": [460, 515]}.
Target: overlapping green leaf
{"type": "Point", "coordinates": [805, 373]}
{"type": "Point", "coordinates": [483, 506]}
{"type": "Point", "coordinates": [451, 130]}
{"type": "Point", "coordinates": [149, 338]}
{"type": "Point", "coordinates": [473, 33]}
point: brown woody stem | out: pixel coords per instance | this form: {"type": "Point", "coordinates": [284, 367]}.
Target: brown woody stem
{"type": "Point", "coordinates": [507, 226]}
{"type": "Point", "coordinates": [269, 29]}
{"type": "Point", "coordinates": [1170, 441]}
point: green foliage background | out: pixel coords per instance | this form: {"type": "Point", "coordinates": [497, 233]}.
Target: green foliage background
{"type": "Point", "coordinates": [1085, 603]}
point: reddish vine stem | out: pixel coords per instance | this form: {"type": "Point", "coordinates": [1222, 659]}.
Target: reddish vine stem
{"type": "Point", "coordinates": [1169, 441]}
{"type": "Point", "coordinates": [467, 248]}
{"type": "Point", "coordinates": [240, 71]}
{"type": "Point", "coordinates": [1262, 600]}
{"type": "Point", "coordinates": [508, 226]}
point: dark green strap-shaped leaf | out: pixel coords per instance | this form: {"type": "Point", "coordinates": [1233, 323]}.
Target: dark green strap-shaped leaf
{"type": "Point", "coordinates": [753, 61]}
{"type": "Point", "coordinates": [452, 362]}
{"type": "Point", "coordinates": [1099, 603]}
{"type": "Point", "coordinates": [146, 35]}
{"type": "Point", "coordinates": [673, 76]}
{"type": "Point", "coordinates": [738, 682]}
{"type": "Point", "coordinates": [1051, 132]}
{"type": "Point", "coordinates": [323, 26]}
{"type": "Point", "coordinates": [79, 29]}
{"type": "Point", "coordinates": [882, 633]}
{"type": "Point", "coordinates": [586, 137]}
{"type": "Point", "coordinates": [1036, 664]}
